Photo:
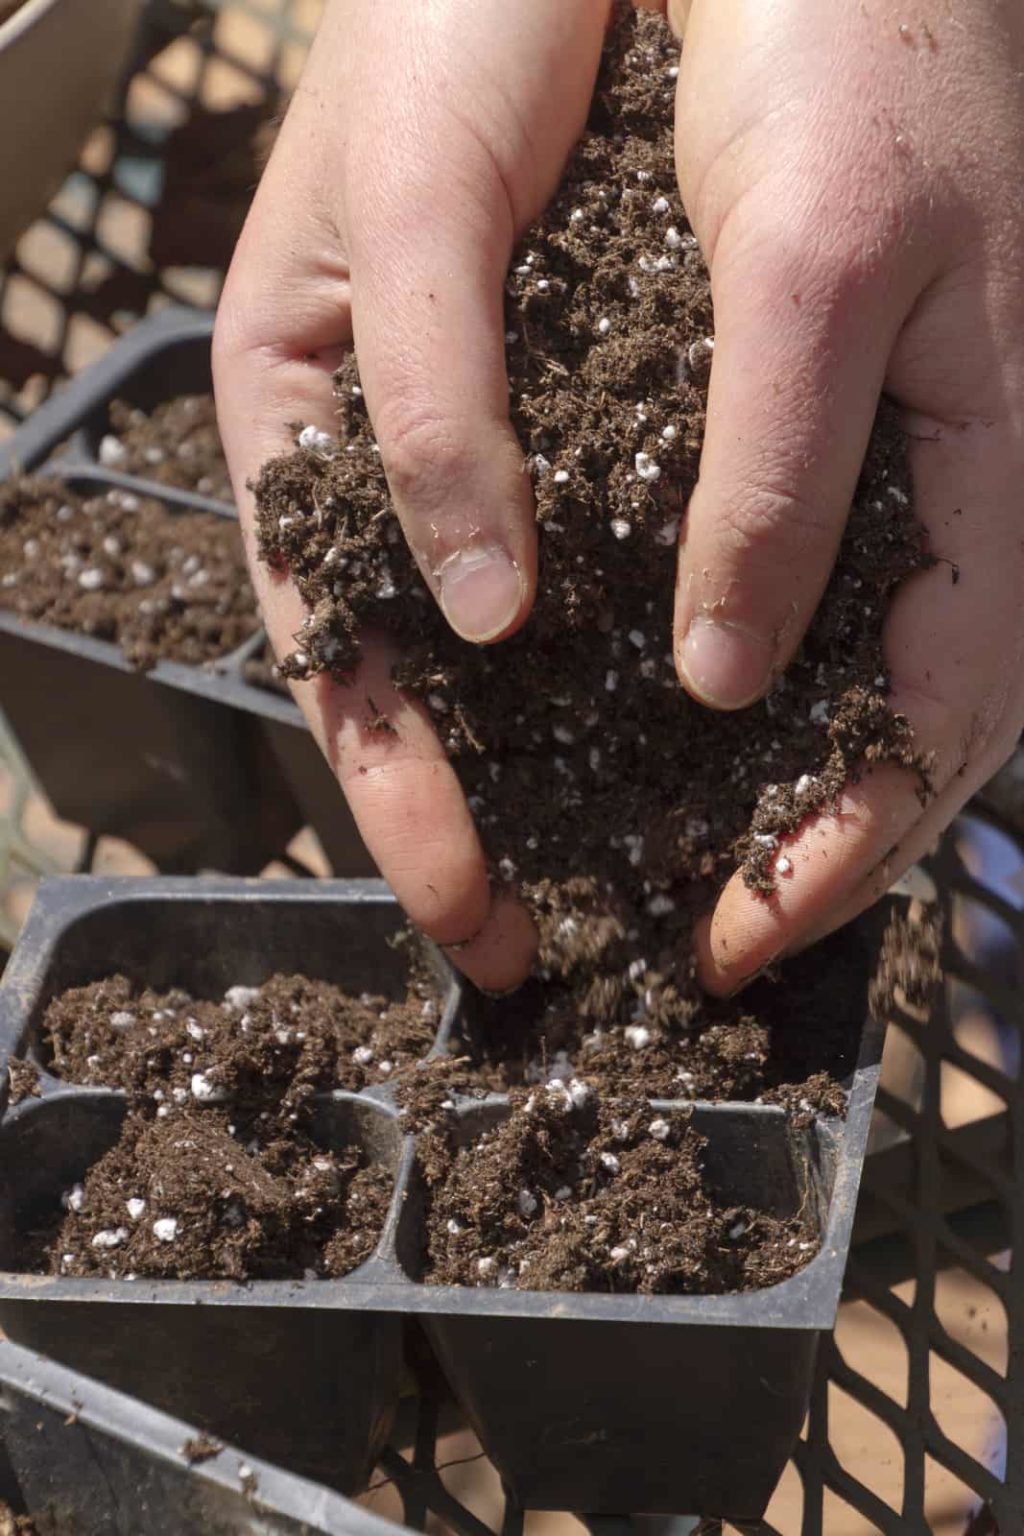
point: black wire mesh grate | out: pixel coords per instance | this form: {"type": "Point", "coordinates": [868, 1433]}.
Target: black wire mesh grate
{"type": "Point", "coordinates": [917, 1418]}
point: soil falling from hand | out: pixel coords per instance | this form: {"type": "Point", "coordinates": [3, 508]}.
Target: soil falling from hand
{"type": "Point", "coordinates": [610, 800]}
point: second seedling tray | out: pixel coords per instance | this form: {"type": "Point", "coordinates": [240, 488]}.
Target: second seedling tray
{"type": "Point", "coordinates": [592, 1402]}
{"type": "Point", "coordinates": [196, 766]}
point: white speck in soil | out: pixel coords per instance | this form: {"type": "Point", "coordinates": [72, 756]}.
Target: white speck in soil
{"type": "Point", "coordinates": [660, 905]}
{"type": "Point", "coordinates": [165, 1229]}
{"type": "Point", "coordinates": [92, 578]}
{"type": "Point", "coordinates": [240, 997]}
{"type": "Point", "coordinates": [659, 1129]}
{"type": "Point", "coordinates": [205, 1092]}
{"type": "Point", "coordinates": [486, 1267]}
{"type": "Point", "coordinates": [580, 1093]}
{"type": "Point", "coordinates": [110, 1237]}
{"type": "Point", "coordinates": [638, 638]}
{"type": "Point", "coordinates": [122, 1019]}
{"type": "Point", "coordinates": [818, 713]}
{"type": "Point", "coordinates": [526, 1203]}
{"type": "Point", "coordinates": [112, 452]}
{"type": "Point", "coordinates": [621, 527]}
{"type": "Point", "coordinates": [783, 866]}
{"type": "Point", "coordinates": [74, 1199]}
{"type": "Point", "coordinates": [135, 1208]}
{"type": "Point", "coordinates": [316, 440]}
{"type": "Point", "coordinates": [609, 1162]}
{"type": "Point", "coordinates": [638, 1036]}
{"type": "Point", "coordinates": [646, 467]}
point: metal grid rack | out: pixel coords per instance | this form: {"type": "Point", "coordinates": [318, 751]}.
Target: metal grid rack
{"type": "Point", "coordinates": [917, 1419]}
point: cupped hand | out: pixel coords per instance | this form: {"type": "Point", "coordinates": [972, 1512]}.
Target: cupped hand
{"type": "Point", "coordinates": [422, 140]}
{"type": "Point", "coordinates": [852, 173]}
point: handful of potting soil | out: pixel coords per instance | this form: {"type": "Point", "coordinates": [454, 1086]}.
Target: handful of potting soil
{"type": "Point", "coordinates": [612, 802]}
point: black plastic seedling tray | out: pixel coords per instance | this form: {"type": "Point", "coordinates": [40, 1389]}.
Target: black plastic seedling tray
{"type": "Point", "coordinates": [197, 766]}
{"type": "Point", "coordinates": [88, 1461]}
{"type": "Point", "coordinates": [597, 1403]}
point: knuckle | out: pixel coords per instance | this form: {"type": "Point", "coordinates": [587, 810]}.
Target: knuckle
{"type": "Point", "coordinates": [234, 332]}
{"type": "Point", "coordinates": [771, 524]}
{"type": "Point", "coordinates": [422, 452]}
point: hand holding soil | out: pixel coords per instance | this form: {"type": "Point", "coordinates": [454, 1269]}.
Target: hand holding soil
{"type": "Point", "coordinates": [845, 175]}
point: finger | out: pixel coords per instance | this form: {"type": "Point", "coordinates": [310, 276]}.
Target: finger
{"type": "Point", "coordinates": [438, 183]}
{"type": "Point", "coordinates": [954, 654]}
{"type": "Point", "coordinates": [402, 790]}
{"type": "Point", "coordinates": [430, 337]}
{"type": "Point", "coordinates": [800, 351]}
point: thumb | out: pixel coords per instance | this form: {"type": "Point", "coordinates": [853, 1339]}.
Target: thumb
{"type": "Point", "coordinates": [801, 347]}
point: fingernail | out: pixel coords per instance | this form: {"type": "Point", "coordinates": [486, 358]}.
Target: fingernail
{"type": "Point", "coordinates": [482, 591]}
{"type": "Point", "coordinates": [725, 664]}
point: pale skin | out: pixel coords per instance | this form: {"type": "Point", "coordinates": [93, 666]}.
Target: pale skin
{"type": "Point", "coordinates": [852, 170]}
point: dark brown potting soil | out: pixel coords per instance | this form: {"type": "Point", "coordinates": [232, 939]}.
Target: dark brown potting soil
{"type": "Point", "coordinates": [184, 1198]}
{"type": "Point", "coordinates": [216, 1171]}
{"type": "Point", "coordinates": [262, 1050]}
{"type": "Point", "coordinates": [787, 1044]}
{"type": "Point", "coordinates": [160, 584]}
{"type": "Point", "coordinates": [615, 804]}
{"type": "Point", "coordinates": [177, 443]}
{"type": "Point", "coordinates": [575, 1194]}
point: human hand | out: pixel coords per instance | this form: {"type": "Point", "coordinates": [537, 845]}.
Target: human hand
{"type": "Point", "coordinates": [422, 140]}
{"type": "Point", "coordinates": [851, 172]}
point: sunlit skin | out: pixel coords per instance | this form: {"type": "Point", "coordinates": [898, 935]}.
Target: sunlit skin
{"type": "Point", "coordinates": [851, 172]}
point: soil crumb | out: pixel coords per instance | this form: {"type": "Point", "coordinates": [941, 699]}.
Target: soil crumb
{"type": "Point", "coordinates": [118, 567]}
{"type": "Point", "coordinates": [23, 1077]}
{"type": "Point", "coordinates": [177, 444]}
{"type": "Point", "coordinates": [201, 1448]}
{"type": "Point", "coordinates": [572, 1193]}
{"type": "Point", "coordinates": [615, 805]}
